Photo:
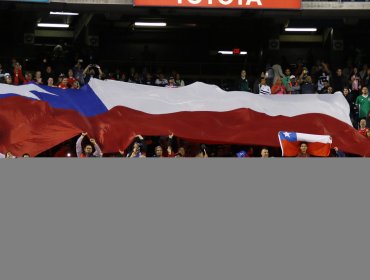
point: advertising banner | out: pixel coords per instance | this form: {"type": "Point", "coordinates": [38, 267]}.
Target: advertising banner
{"type": "Point", "coordinates": [236, 4]}
{"type": "Point", "coordinates": [30, 1]}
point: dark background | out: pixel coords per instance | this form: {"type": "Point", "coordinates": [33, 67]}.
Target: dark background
{"type": "Point", "coordinates": [105, 34]}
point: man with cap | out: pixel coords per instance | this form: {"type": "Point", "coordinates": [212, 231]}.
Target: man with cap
{"type": "Point", "coordinates": [171, 83]}
{"type": "Point", "coordinates": [293, 86]}
{"type": "Point", "coordinates": [8, 79]}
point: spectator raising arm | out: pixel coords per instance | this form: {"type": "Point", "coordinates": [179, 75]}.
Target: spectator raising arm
{"type": "Point", "coordinates": [84, 73]}
{"type": "Point", "coordinates": [79, 144]}
{"type": "Point", "coordinates": [87, 151]}
{"type": "Point", "coordinates": [203, 152]}
{"type": "Point", "coordinates": [339, 153]}
{"type": "Point", "coordinates": [100, 71]}
{"type": "Point", "coordinates": [169, 145]}
{"type": "Point", "coordinates": [137, 149]}
{"type": "Point", "coordinates": [140, 139]}
{"type": "Point", "coordinates": [98, 152]}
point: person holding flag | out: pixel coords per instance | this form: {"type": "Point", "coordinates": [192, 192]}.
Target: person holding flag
{"type": "Point", "coordinates": [303, 150]}
{"type": "Point", "coordinates": [295, 144]}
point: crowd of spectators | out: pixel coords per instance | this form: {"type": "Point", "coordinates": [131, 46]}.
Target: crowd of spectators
{"type": "Point", "coordinates": [352, 81]}
{"type": "Point", "coordinates": [79, 75]}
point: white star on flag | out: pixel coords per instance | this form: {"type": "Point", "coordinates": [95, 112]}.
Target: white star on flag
{"type": "Point", "coordinates": [287, 134]}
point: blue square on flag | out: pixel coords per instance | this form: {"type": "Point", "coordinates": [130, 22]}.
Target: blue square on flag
{"type": "Point", "coordinates": [288, 136]}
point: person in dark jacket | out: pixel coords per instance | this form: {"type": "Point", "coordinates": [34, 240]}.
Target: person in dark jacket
{"type": "Point", "coordinates": [335, 152]}
{"type": "Point", "coordinates": [338, 82]}
{"type": "Point", "coordinates": [308, 87]}
{"type": "Point", "coordinates": [351, 98]}
{"type": "Point", "coordinates": [242, 83]}
{"type": "Point", "coordinates": [256, 85]}
{"type": "Point", "coordinates": [137, 149]}
{"type": "Point", "coordinates": [158, 150]}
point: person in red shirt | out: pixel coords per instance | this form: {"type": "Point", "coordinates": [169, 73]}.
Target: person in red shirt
{"type": "Point", "coordinates": [63, 84]}
{"type": "Point", "coordinates": [27, 78]}
{"type": "Point", "coordinates": [363, 129]}
{"type": "Point", "coordinates": [71, 78]}
{"type": "Point", "coordinates": [18, 75]}
{"type": "Point", "coordinates": [278, 87]}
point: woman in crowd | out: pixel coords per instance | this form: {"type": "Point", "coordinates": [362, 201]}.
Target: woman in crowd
{"type": "Point", "coordinates": [278, 87]}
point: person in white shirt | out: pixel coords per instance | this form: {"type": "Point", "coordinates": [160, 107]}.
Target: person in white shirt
{"type": "Point", "coordinates": [7, 155]}
{"type": "Point", "coordinates": [161, 81]}
{"type": "Point", "coordinates": [263, 88]}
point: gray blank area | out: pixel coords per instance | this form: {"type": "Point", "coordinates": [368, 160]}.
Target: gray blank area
{"type": "Point", "coordinates": [171, 219]}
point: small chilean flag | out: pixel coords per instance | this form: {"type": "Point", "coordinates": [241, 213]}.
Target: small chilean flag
{"type": "Point", "coordinates": [318, 145]}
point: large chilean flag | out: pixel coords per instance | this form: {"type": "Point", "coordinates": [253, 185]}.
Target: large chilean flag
{"type": "Point", "coordinates": [34, 118]}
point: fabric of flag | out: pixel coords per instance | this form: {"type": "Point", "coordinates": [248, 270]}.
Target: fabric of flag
{"type": "Point", "coordinates": [317, 145]}
{"type": "Point", "coordinates": [35, 118]}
